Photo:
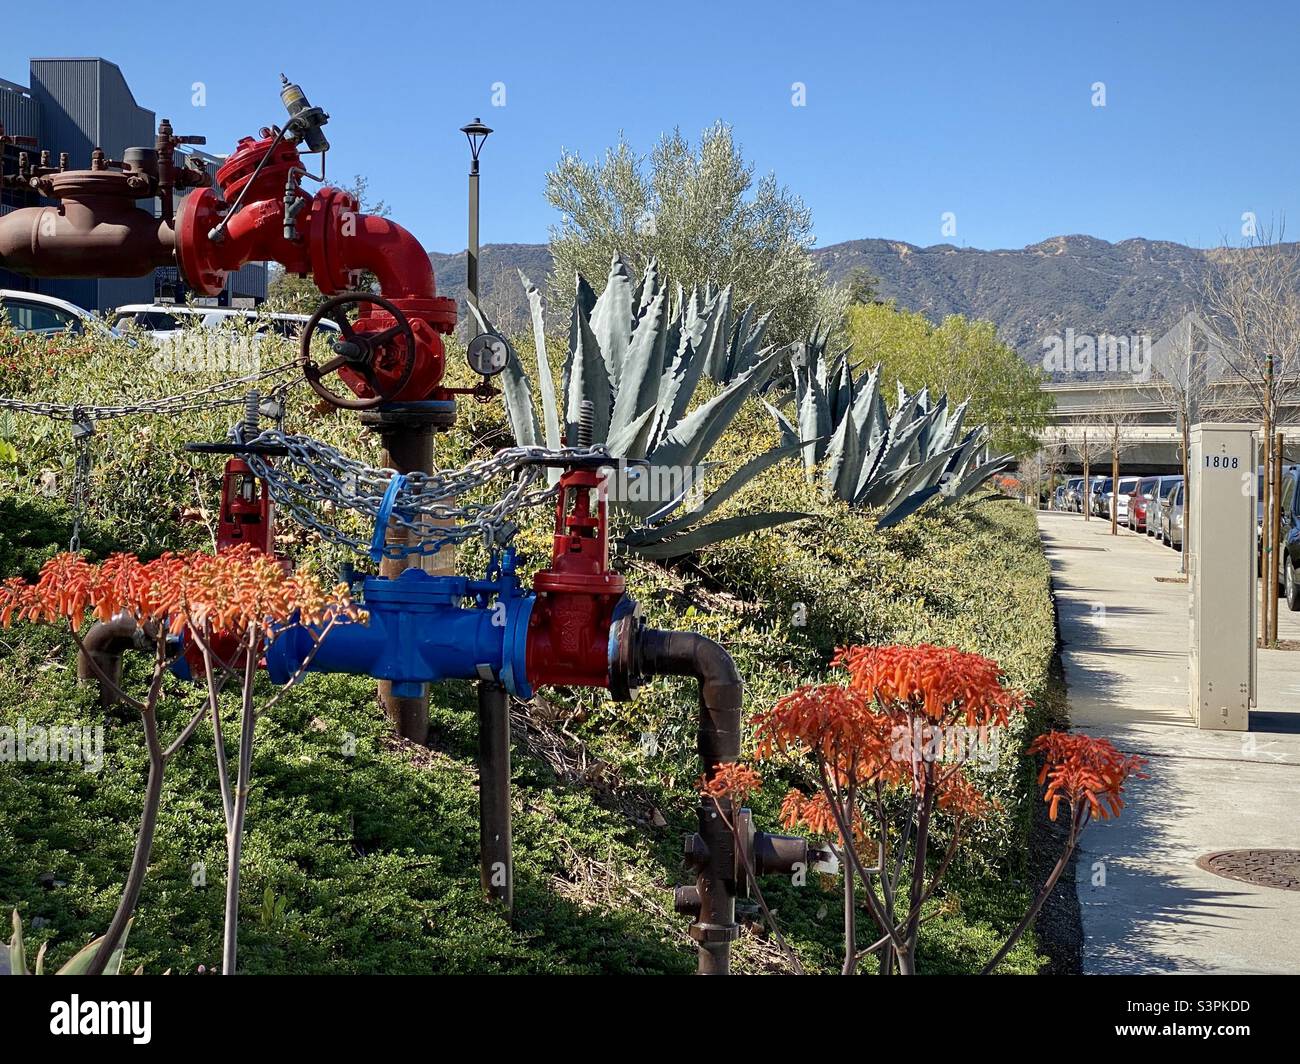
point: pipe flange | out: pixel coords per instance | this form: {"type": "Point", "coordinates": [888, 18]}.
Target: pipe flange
{"type": "Point", "coordinates": [713, 934]}
{"type": "Point", "coordinates": [624, 669]}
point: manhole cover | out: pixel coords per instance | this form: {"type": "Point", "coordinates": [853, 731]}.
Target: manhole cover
{"type": "Point", "coordinates": [1264, 868]}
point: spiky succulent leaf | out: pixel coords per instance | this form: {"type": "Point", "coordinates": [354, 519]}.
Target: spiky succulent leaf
{"type": "Point", "coordinates": [16, 953]}
{"type": "Point", "coordinates": [642, 368]}
{"type": "Point", "coordinates": [515, 387]}
{"type": "Point", "coordinates": [80, 963]}
{"type": "Point", "coordinates": [691, 439]}
{"type": "Point", "coordinates": [727, 528]}
{"type": "Point", "coordinates": [611, 320]}
{"type": "Point", "coordinates": [545, 379]}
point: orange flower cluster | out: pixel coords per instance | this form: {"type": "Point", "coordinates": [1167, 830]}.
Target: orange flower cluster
{"type": "Point", "coordinates": [731, 780]}
{"type": "Point", "coordinates": [1084, 768]}
{"type": "Point", "coordinates": [231, 590]}
{"type": "Point", "coordinates": [813, 814]}
{"type": "Point", "coordinates": [948, 685]}
{"type": "Point", "coordinates": [836, 724]}
{"type": "Point", "coordinates": [959, 796]}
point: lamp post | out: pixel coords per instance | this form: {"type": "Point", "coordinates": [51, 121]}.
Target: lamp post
{"type": "Point", "coordinates": [476, 133]}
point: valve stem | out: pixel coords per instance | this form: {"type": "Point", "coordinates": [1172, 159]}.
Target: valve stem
{"type": "Point", "coordinates": [586, 423]}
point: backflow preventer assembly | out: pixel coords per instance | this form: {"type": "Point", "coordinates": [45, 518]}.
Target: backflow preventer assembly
{"type": "Point", "coordinates": [575, 626]}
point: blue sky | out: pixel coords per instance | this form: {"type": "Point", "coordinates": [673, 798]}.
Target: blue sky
{"type": "Point", "coordinates": [912, 110]}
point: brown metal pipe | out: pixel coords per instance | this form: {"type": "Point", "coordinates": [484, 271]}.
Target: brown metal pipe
{"type": "Point", "coordinates": [688, 654]}
{"type": "Point", "coordinates": [95, 236]}
{"type": "Point", "coordinates": [100, 655]}
{"type": "Point", "coordinates": [495, 844]}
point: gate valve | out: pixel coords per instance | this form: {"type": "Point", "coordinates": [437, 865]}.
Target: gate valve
{"type": "Point", "coordinates": [578, 596]}
{"type": "Point", "coordinates": [246, 514]}
{"type": "Point", "coordinates": [375, 356]}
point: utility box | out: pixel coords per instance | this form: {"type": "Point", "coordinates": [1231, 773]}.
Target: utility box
{"type": "Point", "coordinates": [1219, 530]}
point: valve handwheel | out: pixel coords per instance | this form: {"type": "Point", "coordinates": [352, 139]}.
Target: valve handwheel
{"type": "Point", "coordinates": [360, 352]}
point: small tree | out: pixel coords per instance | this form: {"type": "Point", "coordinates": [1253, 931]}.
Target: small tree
{"type": "Point", "coordinates": [700, 213]}
{"type": "Point", "coordinates": [1113, 422]}
{"type": "Point", "coordinates": [888, 749]}
{"type": "Point", "coordinates": [224, 604]}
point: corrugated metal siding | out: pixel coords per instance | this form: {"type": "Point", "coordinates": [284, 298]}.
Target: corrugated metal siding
{"type": "Point", "coordinates": [122, 122]}
{"type": "Point", "coordinates": [249, 280]}
{"type": "Point", "coordinates": [68, 91]}
{"type": "Point", "coordinates": [19, 111]}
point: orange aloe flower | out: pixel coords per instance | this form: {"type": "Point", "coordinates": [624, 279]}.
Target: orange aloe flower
{"type": "Point", "coordinates": [1084, 768]}
{"type": "Point", "coordinates": [731, 780]}
{"type": "Point", "coordinates": [233, 590]}
{"type": "Point", "coordinates": [947, 685]}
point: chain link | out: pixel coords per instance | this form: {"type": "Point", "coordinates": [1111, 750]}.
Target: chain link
{"type": "Point", "coordinates": [423, 507]}
{"type": "Point", "coordinates": [211, 397]}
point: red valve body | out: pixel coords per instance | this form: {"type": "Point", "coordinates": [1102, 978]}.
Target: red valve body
{"type": "Point", "coordinates": [333, 239]}
{"type": "Point", "coordinates": [568, 632]}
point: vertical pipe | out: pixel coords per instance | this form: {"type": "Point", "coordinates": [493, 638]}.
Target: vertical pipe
{"type": "Point", "coordinates": [407, 448]}
{"type": "Point", "coordinates": [496, 861]}
{"type": "Point", "coordinates": [471, 255]}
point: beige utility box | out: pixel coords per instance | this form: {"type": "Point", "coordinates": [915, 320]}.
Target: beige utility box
{"type": "Point", "coordinates": [1219, 523]}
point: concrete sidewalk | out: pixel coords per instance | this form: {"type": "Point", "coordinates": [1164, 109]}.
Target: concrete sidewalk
{"type": "Point", "coordinates": [1146, 905]}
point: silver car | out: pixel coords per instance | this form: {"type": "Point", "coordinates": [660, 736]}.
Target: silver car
{"type": "Point", "coordinates": [1157, 504]}
{"type": "Point", "coordinates": [1171, 518]}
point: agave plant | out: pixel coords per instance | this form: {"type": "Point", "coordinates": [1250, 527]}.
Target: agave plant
{"type": "Point", "coordinates": [13, 957]}
{"type": "Point", "coordinates": [634, 363]}
{"type": "Point", "coordinates": [867, 457]}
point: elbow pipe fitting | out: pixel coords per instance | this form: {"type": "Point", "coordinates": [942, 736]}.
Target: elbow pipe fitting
{"type": "Point", "coordinates": [100, 655]}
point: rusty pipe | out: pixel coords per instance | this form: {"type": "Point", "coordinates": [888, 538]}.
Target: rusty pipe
{"type": "Point", "coordinates": [90, 236]}
{"type": "Point", "coordinates": [100, 655]}
{"type": "Point", "coordinates": [713, 852]}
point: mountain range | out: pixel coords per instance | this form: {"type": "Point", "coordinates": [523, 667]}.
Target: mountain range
{"type": "Point", "coordinates": [1080, 282]}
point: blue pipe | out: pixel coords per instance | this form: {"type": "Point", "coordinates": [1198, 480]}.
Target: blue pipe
{"type": "Point", "coordinates": [419, 632]}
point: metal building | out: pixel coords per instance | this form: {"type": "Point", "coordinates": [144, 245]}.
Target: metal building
{"type": "Point", "coordinates": [75, 106]}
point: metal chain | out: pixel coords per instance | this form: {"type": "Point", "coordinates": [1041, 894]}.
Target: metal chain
{"type": "Point", "coordinates": [82, 433]}
{"type": "Point", "coordinates": [211, 397]}
{"type": "Point", "coordinates": [421, 505]}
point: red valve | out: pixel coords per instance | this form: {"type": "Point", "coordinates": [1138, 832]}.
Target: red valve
{"type": "Point", "coordinates": [246, 513]}
{"type": "Point", "coordinates": [326, 236]}
{"type": "Point", "coordinates": [568, 632]}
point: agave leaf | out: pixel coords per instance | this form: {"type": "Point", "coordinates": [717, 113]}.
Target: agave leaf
{"type": "Point", "coordinates": [841, 396]}
{"type": "Point", "coordinates": [748, 350]}
{"type": "Point", "coordinates": [631, 442]}
{"type": "Point", "coordinates": [646, 290]}
{"type": "Point", "coordinates": [588, 379]}
{"type": "Point", "coordinates": [715, 363]}
{"type": "Point", "coordinates": [515, 388]}
{"type": "Point", "coordinates": [880, 489]}
{"type": "Point", "coordinates": [691, 439]}
{"type": "Point", "coordinates": [756, 466]}
{"type": "Point", "coordinates": [787, 430]}
{"type": "Point", "coordinates": [910, 504]}
{"type": "Point", "coordinates": [611, 320]}
{"type": "Point", "coordinates": [584, 300]}
{"type": "Point", "coordinates": [545, 380]}
{"type": "Point", "coordinates": [975, 478]}
{"type": "Point", "coordinates": [80, 962]}
{"type": "Point", "coordinates": [814, 419]}
{"type": "Point", "coordinates": [843, 462]}
{"type": "Point", "coordinates": [17, 952]}
{"type": "Point", "coordinates": [639, 376]}
{"type": "Point", "coordinates": [727, 528]}
{"type": "Point", "coordinates": [698, 341]}
{"type": "Point", "coordinates": [951, 426]}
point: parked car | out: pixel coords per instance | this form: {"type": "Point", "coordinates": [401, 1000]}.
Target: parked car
{"type": "Point", "coordinates": [165, 321]}
{"type": "Point", "coordinates": [1289, 555]}
{"type": "Point", "coordinates": [1116, 498]}
{"type": "Point", "coordinates": [1100, 485]}
{"type": "Point", "coordinates": [1171, 518]}
{"type": "Point", "coordinates": [1073, 492]}
{"type": "Point", "coordinates": [1135, 511]}
{"type": "Point", "coordinates": [1156, 506]}
{"type": "Point", "coordinates": [33, 312]}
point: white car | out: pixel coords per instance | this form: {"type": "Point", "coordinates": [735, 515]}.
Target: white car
{"type": "Point", "coordinates": [163, 321]}
{"type": "Point", "coordinates": [33, 312]}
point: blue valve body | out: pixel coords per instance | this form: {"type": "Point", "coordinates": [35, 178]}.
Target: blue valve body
{"type": "Point", "coordinates": [419, 632]}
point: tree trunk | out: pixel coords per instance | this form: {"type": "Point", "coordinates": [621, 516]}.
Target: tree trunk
{"type": "Point", "coordinates": [1114, 484]}
{"type": "Point", "coordinates": [1265, 539]}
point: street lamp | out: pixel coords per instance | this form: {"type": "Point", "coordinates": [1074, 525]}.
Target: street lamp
{"type": "Point", "coordinates": [476, 133]}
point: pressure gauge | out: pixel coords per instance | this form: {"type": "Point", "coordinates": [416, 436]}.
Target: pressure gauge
{"type": "Point", "coordinates": [487, 355]}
